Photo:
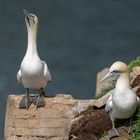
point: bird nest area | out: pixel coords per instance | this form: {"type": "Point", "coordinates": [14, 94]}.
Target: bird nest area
{"type": "Point", "coordinates": [93, 124]}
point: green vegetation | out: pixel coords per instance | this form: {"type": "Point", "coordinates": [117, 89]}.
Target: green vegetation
{"type": "Point", "coordinates": [107, 89]}
{"type": "Point", "coordinates": [134, 63]}
{"type": "Point", "coordinates": [136, 123]}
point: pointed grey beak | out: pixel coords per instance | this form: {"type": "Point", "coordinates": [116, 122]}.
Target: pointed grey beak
{"type": "Point", "coordinates": [107, 76]}
{"type": "Point", "coordinates": [27, 14]}
{"type": "Point", "coordinates": [28, 18]}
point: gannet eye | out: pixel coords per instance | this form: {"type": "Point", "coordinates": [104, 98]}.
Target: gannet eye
{"type": "Point", "coordinates": [115, 71]}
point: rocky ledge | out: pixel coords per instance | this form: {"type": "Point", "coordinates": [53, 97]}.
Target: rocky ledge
{"type": "Point", "coordinates": [52, 122]}
{"type": "Point", "coordinates": [64, 118]}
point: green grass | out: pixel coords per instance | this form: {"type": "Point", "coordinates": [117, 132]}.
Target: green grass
{"type": "Point", "coordinates": [134, 63]}
{"type": "Point", "coordinates": [136, 123]}
{"type": "Point", "coordinates": [106, 90]}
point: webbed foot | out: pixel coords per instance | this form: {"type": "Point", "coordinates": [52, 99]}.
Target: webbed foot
{"type": "Point", "coordinates": [113, 133]}
{"type": "Point", "coordinates": [39, 101]}
{"type": "Point", "coordinates": [25, 102]}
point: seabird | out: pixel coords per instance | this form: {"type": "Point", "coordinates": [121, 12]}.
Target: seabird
{"type": "Point", "coordinates": [33, 73]}
{"type": "Point", "coordinates": [123, 103]}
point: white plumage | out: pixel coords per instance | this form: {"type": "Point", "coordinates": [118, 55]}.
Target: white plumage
{"type": "Point", "coordinates": [123, 102]}
{"type": "Point", "coordinates": [33, 72]}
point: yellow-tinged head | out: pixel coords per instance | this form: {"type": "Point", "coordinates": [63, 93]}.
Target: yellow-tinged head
{"type": "Point", "coordinates": [116, 69]}
{"type": "Point", "coordinates": [119, 67]}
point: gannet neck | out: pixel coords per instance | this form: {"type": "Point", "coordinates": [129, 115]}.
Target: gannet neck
{"type": "Point", "coordinates": [32, 41]}
{"type": "Point", "coordinates": [123, 81]}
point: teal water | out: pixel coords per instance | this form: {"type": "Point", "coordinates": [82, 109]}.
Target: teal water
{"type": "Point", "coordinates": [76, 38]}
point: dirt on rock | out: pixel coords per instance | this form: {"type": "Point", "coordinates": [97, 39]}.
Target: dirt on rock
{"type": "Point", "coordinates": [93, 124]}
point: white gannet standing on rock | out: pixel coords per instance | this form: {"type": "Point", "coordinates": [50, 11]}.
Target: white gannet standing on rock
{"type": "Point", "coordinates": [33, 73]}
{"type": "Point", "coordinates": [123, 103]}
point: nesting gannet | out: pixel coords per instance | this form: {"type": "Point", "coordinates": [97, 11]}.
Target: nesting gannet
{"type": "Point", "coordinates": [33, 73]}
{"type": "Point", "coordinates": [123, 102]}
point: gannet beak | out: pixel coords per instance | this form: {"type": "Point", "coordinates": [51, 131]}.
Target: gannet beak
{"type": "Point", "coordinates": [107, 76]}
{"type": "Point", "coordinates": [28, 17]}
{"type": "Point", "coordinates": [27, 14]}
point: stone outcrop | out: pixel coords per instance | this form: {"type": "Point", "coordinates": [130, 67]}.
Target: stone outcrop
{"type": "Point", "coordinates": [52, 122]}
{"type": "Point", "coordinates": [64, 118]}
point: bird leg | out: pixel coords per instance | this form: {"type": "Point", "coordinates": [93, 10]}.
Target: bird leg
{"type": "Point", "coordinates": [113, 132]}
{"type": "Point", "coordinates": [26, 101]}
{"type": "Point", "coordinates": [40, 102]}
{"type": "Point", "coordinates": [130, 127]}
{"type": "Point", "coordinates": [43, 92]}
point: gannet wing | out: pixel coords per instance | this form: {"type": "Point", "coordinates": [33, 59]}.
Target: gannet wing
{"type": "Point", "coordinates": [109, 105]}
{"type": "Point", "coordinates": [47, 74]}
{"type": "Point", "coordinates": [19, 77]}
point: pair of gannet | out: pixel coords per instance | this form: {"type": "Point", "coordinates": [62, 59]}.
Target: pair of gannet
{"type": "Point", "coordinates": [123, 103]}
{"type": "Point", "coordinates": [33, 73]}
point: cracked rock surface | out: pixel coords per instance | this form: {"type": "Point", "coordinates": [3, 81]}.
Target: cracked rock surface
{"type": "Point", "coordinates": [51, 122]}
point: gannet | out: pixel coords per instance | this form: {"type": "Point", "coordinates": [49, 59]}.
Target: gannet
{"type": "Point", "coordinates": [33, 72]}
{"type": "Point", "coordinates": [123, 103]}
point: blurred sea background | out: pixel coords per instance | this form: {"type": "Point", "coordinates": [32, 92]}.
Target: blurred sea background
{"type": "Point", "coordinates": [77, 39]}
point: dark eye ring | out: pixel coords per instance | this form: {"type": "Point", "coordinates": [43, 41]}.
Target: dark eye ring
{"type": "Point", "coordinates": [114, 71]}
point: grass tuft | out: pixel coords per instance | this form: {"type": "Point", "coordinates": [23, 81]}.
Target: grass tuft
{"type": "Point", "coordinates": [134, 63]}
{"type": "Point", "coordinates": [136, 123]}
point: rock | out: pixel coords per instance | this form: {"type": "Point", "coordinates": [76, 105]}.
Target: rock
{"type": "Point", "coordinates": [102, 85]}
{"type": "Point", "coordinates": [50, 122]}
{"type": "Point", "coordinates": [134, 75]}
{"type": "Point", "coordinates": [123, 135]}
{"type": "Point", "coordinates": [135, 80]}
{"type": "Point", "coordinates": [94, 123]}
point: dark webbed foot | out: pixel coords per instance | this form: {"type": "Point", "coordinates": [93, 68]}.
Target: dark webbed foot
{"type": "Point", "coordinates": [113, 133]}
{"type": "Point", "coordinates": [25, 102]}
{"type": "Point", "coordinates": [39, 101]}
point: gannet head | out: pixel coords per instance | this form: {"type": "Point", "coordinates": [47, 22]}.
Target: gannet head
{"type": "Point", "coordinates": [116, 69]}
{"type": "Point", "coordinates": [31, 20]}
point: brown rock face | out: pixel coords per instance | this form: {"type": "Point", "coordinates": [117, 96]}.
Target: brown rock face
{"type": "Point", "coordinates": [94, 123]}
{"type": "Point", "coordinates": [135, 80]}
